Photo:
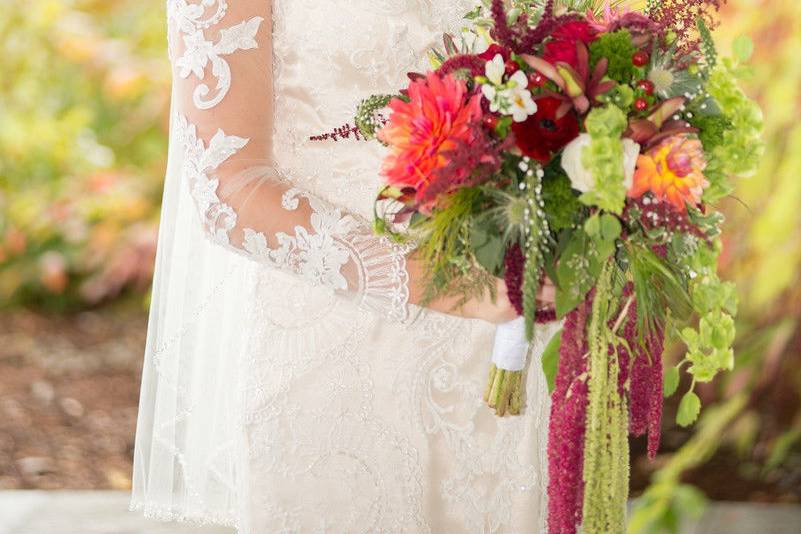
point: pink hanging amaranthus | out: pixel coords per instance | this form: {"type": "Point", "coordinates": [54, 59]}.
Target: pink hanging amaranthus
{"type": "Point", "coordinates": [567, 425]}
{"type": "Point", "coordinates": [646, 390]}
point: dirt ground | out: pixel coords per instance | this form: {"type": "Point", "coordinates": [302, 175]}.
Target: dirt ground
{"type": "Point", "coordinates": [69, 389]}
{"type": "Point", "coordinates": [68, 398]}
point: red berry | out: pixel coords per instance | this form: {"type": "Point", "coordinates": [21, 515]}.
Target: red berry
{"type": "Point", "coordinates": [490, 121]}
{"type": "Point", "coordinates": [511, 67]}
{"type": "Point", "coordinates": [536, 79]}
{"type": "Point", "coordinates": [641, 104]}
{"type": "Point", "coordinates": [640, 58]}
{"type": "Point", "coordinates": [647, 86]}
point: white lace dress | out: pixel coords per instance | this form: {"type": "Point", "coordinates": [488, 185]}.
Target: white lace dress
{"type": "Point", "coordinates": [335, 406]}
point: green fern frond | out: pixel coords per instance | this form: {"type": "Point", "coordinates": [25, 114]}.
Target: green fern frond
{"type": "Point", "coordinates": [367, 120]}
{"type": "Point", "coordinates": [659, 287]}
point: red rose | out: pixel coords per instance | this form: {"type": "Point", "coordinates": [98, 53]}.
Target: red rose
{"type": "Point", "coordinates": [542, 134]}
{"type": "Point", "coordinates": [563, 45]}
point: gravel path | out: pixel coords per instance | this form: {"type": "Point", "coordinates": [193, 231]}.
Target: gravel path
{"type": "Point", "coordinates": [106, 512]}
{"type": "Point", "coordinates": [82, 512]}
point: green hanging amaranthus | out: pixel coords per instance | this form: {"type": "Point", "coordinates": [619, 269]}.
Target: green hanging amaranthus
{"type": "Point", "coordinates": [536, 246]}
{"type": "Point", "coordinates": [606, 446]}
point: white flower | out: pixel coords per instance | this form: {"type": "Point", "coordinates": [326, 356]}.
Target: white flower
{"type": "Point", "coordinates": [495, 69]}
{"type": "Point", "coordinates": [582, 179]}
{"type": "Point", "coordinates": [511, 98]}
{"type": "Point", "coordinates": [519, 97]}
{"type": "Point", "coordinates": [493, 96]}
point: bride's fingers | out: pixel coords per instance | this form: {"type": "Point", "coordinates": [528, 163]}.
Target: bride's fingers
{"type": "Point", "coordinates": [547, 294]}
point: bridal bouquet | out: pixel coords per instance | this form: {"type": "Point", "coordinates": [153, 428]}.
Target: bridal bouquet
{"type": "Point", "coordinates": [588, 145]}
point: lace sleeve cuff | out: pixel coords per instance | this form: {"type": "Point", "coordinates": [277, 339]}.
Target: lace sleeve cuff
{"type": "Point", "coordinates": [385, 278]}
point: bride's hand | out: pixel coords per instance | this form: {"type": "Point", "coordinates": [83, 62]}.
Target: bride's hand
{"type": "Point", "coordinates": [497, 311]}
{"type": "Point", "coordinates": [546, 298]}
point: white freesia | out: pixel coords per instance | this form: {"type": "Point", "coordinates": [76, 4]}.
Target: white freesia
{"type": "Point", "coordinates": [521, 105]}
{"type": "Point", "coordinates": [493, 96]}
{"type": "Point", "coordinates": [581, 178]}
{"type": "Point", "coordinates": [511, 98]}
{"type": "Point", "coordinates": [495, 69]}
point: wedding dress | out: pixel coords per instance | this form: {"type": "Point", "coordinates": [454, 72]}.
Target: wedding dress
{"type": "Point", "coordinates": [289, 385]}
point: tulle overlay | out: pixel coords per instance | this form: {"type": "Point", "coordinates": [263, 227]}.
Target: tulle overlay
{"type": "Point", "coordinates": [282, 392]}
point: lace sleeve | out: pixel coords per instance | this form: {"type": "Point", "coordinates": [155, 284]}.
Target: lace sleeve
{"type": "Point", "coordinates": [222, 72]}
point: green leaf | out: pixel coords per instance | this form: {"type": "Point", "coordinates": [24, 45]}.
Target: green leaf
{"type": "Point", "coordinates": [743, 48]}
{"type": "Point", "coordinates": [593, 226]}
{"type": "Point", "coordinates": [550, 360]}
{"type": "Point", "coordinates": [671, 381]}
{"type": "Point", "coordinates": [504, 126]}
{"type": "Point", "coordinates": [690, 338]}
{"type": "Point", "coordinates": [512, 15]}
{"type": "Point", "coordinates": [689, 408]}
{"type": "Point", "coordinates": [604, 248]}
{"type": "Point", "coordinates": [488, 248]}
{"type": "Point", "coordinates": [578, 269]}
{"type": "Point", "coordinates": [610, 227]}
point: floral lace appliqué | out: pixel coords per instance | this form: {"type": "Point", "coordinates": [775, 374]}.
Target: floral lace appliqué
{"type": "Point", "coordinates": [316, 255]}
{"type": "Point", "coordinates": [218, 218]}
{"type": "Point", "coordinates": [191, 21]}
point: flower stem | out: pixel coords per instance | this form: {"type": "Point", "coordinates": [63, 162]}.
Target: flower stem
{"type": "Point", "coordinates": [504, 391]}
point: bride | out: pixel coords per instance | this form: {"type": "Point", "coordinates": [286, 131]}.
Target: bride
{"type": "Point", "coordinates": [292, 381]}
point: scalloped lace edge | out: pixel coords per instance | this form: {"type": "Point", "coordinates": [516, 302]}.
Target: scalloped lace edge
{"type": "Point", "coordinates": [170, 514]}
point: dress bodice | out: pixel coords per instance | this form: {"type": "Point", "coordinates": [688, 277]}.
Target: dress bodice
{"type": "Point", "coordinates": [270, 403]}
{"type": "Point", "coordinates": [328, 56]}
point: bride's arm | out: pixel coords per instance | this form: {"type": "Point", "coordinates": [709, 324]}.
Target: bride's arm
{"type": "Point", "coordinates": [222, 77]}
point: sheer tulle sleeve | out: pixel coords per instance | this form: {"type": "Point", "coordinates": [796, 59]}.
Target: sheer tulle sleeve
{"type": "Point", "coordinates": [223, 92]}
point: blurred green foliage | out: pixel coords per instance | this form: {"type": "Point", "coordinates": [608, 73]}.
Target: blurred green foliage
{"type": "Point", "coordinates": [84, 88]}
{"type": "Point", "coordinates": [754, 412]}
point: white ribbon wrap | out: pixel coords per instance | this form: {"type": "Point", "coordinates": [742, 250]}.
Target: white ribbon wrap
{"type": "Point", "coordinates": [511, 347]}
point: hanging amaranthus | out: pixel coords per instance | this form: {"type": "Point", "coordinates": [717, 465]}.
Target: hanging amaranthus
{"type": "Point", "coordinates": [606, 447]}
{"type": "Point", "coordinates": [567, 423]}
{"type": "Point", "coordinates": [520, 37]}
{"type": "Point", "coordinates": [645, 386]}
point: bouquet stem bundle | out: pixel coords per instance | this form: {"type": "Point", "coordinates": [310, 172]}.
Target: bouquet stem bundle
{"type": "Point", "coordinates": [504, 391]}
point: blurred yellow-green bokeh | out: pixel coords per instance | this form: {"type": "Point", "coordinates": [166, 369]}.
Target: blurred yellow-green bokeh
{"type": "Point", "coordinates": [84, 88]}
{"type": "Point", "coordinates": [83, 107]}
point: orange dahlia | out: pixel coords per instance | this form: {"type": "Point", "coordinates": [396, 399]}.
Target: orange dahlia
{"type": "Point", "coordinates": [421, 133]}
{"type": "Point", "coordinates": [672, 171]}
